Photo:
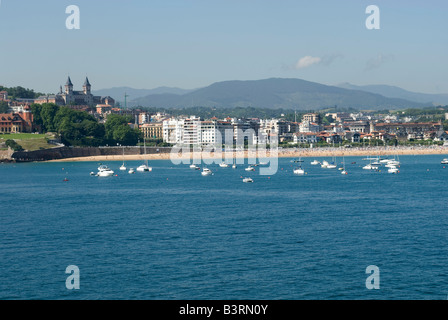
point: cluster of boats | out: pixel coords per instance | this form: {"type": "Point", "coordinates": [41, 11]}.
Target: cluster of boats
{"type": "Point", "coordinates": [375, 164]}
{"type": "Point", "coordinates": [207, 172]}
{"type": "Point", "coordinates": [330, 165]}
{"type": "Point", "coordinates": [105, 171]}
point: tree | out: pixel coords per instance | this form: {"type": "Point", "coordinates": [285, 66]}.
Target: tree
{"type": "Point", "coordinates": [13, 145]}
{"type": "Point", "coordinates": [20, 92]}
{"type": "Point", "coordinates": [47, 115]}
{"type": "Point", "coordinates": [93, 129]}
{"type": "Point", "coordinates": [114, 121]}
{"type": "Point", "coordinates": [124, 135]}
{"type": "Point", "coordinates": [37, 119]}
{"type": "Point", "coordinates": [4, 108]}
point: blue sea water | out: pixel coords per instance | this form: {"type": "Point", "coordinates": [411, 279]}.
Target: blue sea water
{"type": "Point", "coordinates": [174, 234]}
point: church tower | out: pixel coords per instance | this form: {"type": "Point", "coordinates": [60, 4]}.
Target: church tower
{"type": "Point", "coordinates": [87, 87]}
{"type": "Point", "coordinates": [69, 86]}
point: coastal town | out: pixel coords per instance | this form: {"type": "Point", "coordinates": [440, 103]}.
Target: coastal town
{"type": "Point", "coordinates": [317, 129]}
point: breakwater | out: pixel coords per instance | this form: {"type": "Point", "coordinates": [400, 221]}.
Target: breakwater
{"type": "Point", "coordinates": [80, 152]}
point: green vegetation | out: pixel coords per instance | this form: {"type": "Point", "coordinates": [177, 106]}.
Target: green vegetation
{"type": "Point", "coordinates": [20, 92]}
{"type": "Point", "coordinates": [13, 145]}
{"type": "Point", "coordinates": [4, 107]}
{"type": "Point", "coordinates": [78, 128]}
{"type": "Point", "coordinates": [29, 141]}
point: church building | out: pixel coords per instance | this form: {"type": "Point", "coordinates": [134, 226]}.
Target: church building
{"type": "Point", "coordinates": [69, 97]}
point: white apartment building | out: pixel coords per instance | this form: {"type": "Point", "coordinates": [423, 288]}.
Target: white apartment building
{"type": "Point", "coordinates": [308, 126]}
{"type": "Point", "coordinates": [305, 137]}
{"type": "Point", "coordinates": [173, 131]}
{"type": "Point", "coordinates": [193, 131]}
{"type": "Point", "coordinates": [276, 126]}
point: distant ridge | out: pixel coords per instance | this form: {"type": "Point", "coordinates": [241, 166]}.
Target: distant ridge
{"type": "Point", "coordinates": [274, 93]}
{"type": "Point", "coordinates": [118, 92]}
{"type": "Point", "coordinates": [397, 92]}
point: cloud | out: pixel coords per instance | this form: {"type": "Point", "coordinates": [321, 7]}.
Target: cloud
{"type": "Point", "coordinates": [307, 61]}
{"type": "Point", "coordinates": [378, 61]}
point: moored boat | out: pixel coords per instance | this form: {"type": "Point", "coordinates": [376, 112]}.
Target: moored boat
{"type": "Point", "coordinates": [206, 172]}
{"type": "Point", "coordinates": [299, 171]}
{"type": "Point", "coordinates": [104, 171]}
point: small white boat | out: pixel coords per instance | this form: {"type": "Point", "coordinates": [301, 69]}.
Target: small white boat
{"type": "Point", "coordinates": [263, 163]}
{"type": "Point", "coordinates": [344, 172]}
{"type": "Point", "coordinates": [315, 163]}
{"type": "Point", "coordinates": [144, 168]}
{"type": "Point", "coordinates": [393, 170]}
{"type": "Point", "coordinates": [299, 171]}
{"type": "Point", "coordinates": [384, 160]}
{"type": "Point", "coordinates": [248, 180]}
{"type": "Point", "coordinates": [194, 167]}
{"type": "Point", "coordinates": [131, 171]}
{"type": "Point", "coordinates": [206, 172]}
{"type": "Point", "coordinates": [324, 164]}
{"type": "Point", "coordinates": [250, 168]}
{"type": "Point", "coordinates": [370, 167]}
{"type": "Point", "coordinates": [104, 171]}
{"type": "Point", "coordinates": [392, 165]}
{"type": "Point", "coordinates": [123, 167]}
{"type": "Point", "coordinates": [223, 165]}
{"type": "Point", "coordinates": [92, 173]}
{"type": "Point", "coordinates": [234, 166]}
{"type": "Point", "coordinates": [444, 161]}
{"type": "Point", "coordinates": [331, 166]}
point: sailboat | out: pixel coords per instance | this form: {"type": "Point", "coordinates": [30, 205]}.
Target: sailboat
{"type": "Point", "coordinates": [223, 165]}
{"type": "Point", "coordinates": [395, 162]}
{"type": "Point", "coordinates": [332, 165]}
{"type": "Point", "coordinates": [144, 167]}
{"type": "Point", "coordinates": [123, 166]}
{"type": "Point", "coordinates": [343, 171]}
{"type": "Point", "coordinates": [299, 170]}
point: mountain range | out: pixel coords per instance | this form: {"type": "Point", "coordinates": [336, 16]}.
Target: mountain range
{"type": "Point", "coordinates": [277, 93]}
{"type": "Point", "coordinates": [396, 92]}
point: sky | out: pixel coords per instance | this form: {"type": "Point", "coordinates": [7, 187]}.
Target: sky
{"type": "Point", "coordinates": [190, 44]}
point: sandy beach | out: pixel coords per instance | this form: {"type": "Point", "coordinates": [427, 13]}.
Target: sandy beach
{"type": "Point", "coordinates": [283, 153]}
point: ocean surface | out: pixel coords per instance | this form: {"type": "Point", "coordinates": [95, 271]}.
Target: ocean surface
{"type": "Point", "coordinates": [174, 234]}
